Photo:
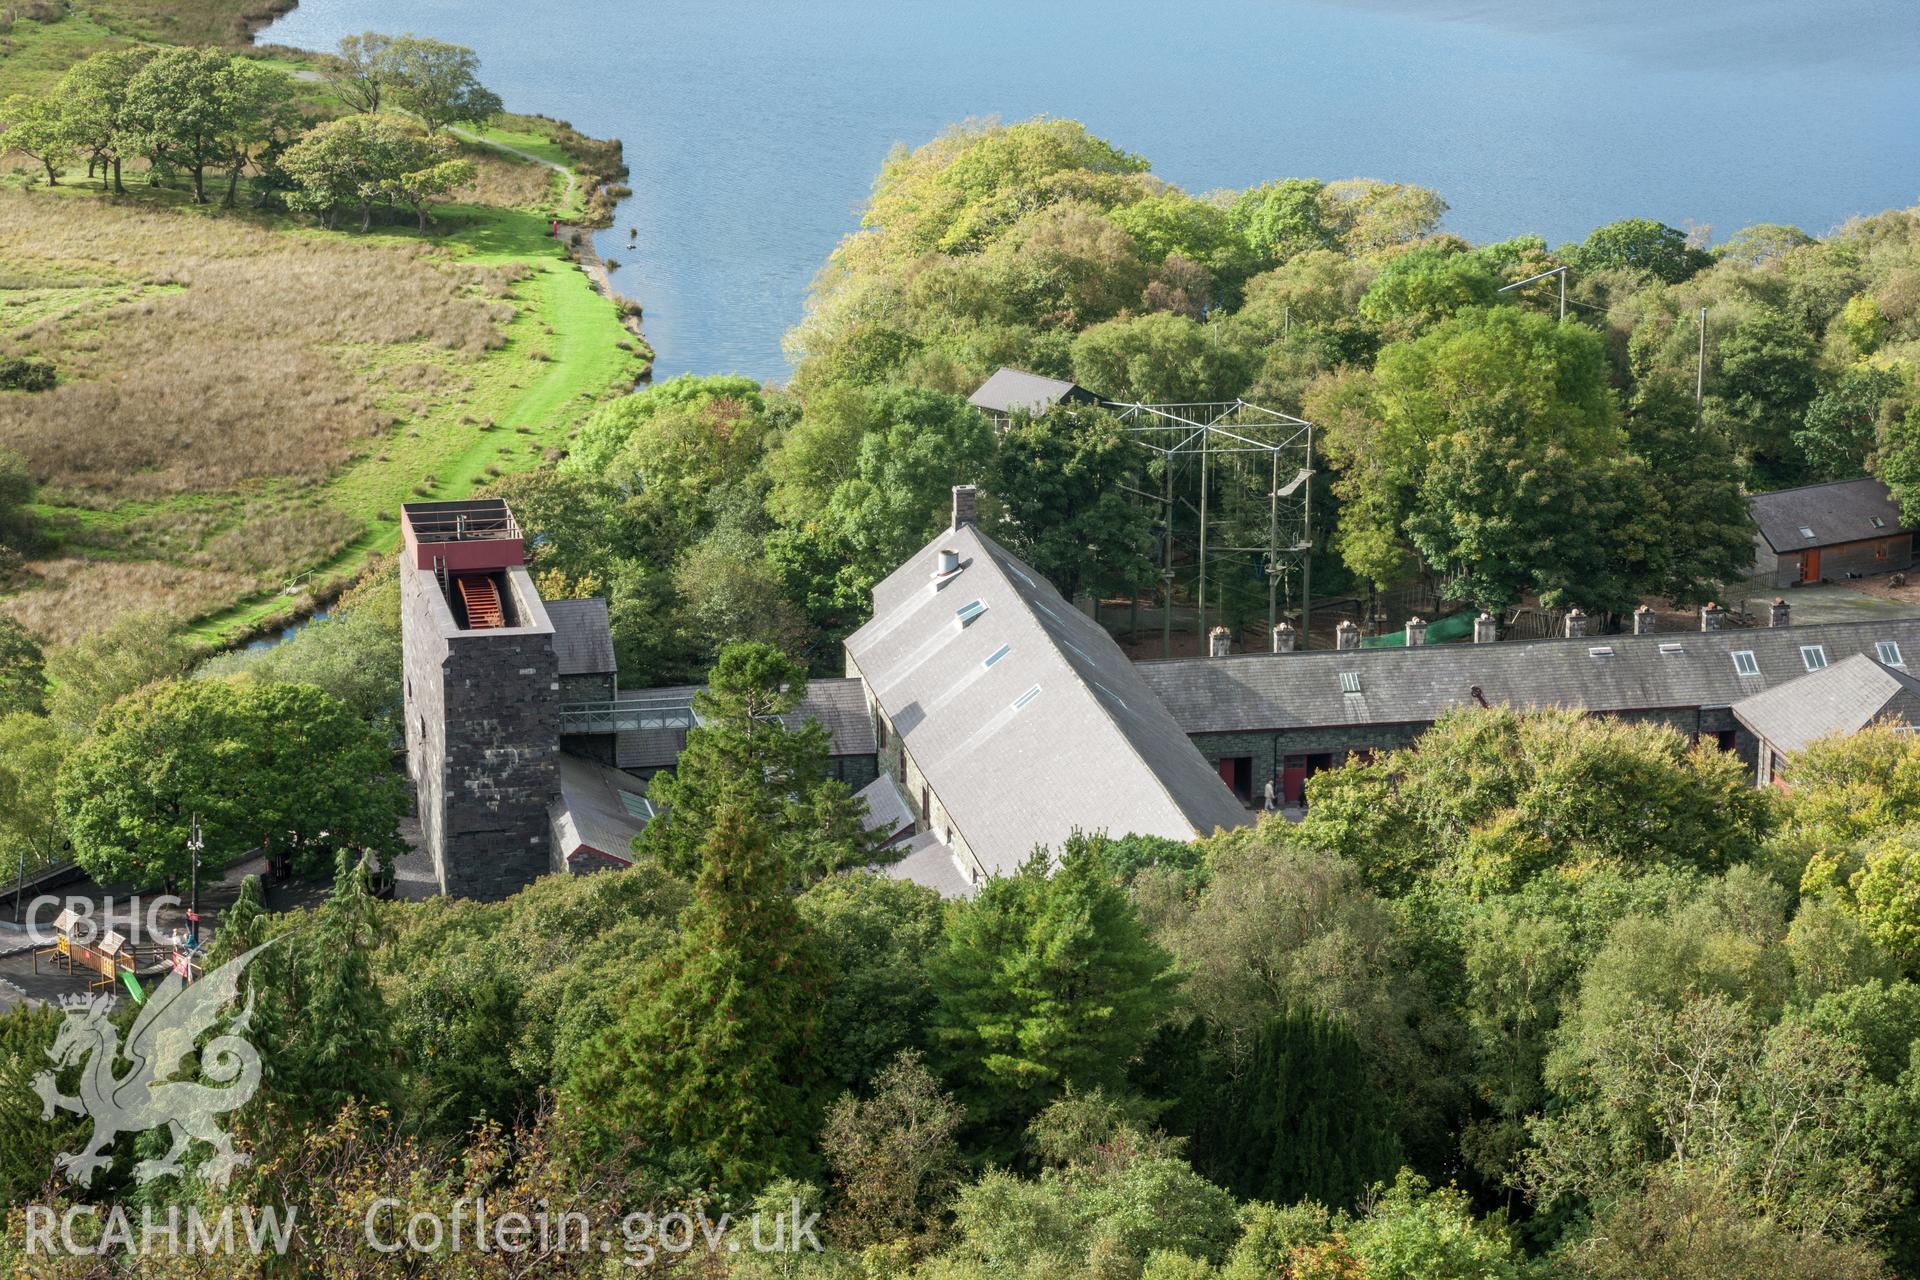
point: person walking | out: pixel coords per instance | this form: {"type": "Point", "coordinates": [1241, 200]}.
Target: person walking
{"type": "Point", "coordinates": [1269, 795]}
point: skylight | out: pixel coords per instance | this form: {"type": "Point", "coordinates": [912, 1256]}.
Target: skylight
{"type": "Point", "coordinates": [1743, 662]}
{"type": "Point", "coordinates": [1805, 532]}
{"type": "Point", "coordinates": [636, 806]}
{"type": "Point", "coordinates": [969, 611]}
{"type": "Point", "coordinates": [1878, 523]}
{"type": "Point", "coordinates": [1673, 648]}
{"type": "Point", "coordinates": [997, 654]}
{"type": "Point", "coordinates": [1814, 656]}
{"type": "Point", "coordinates": [1026, 697]}
{"type": "Point", "coordinates": [1600, 651]}
{"type": "Point", "coordinates": [1349, 682]}
{"type": "Point", "coordinates": [1888, 652]}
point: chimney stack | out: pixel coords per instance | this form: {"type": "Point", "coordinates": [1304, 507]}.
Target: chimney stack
{"type": "Point", "coordinates": [1779, 613]}
{"type": "Point", "coordinates": [1485, 629]}
{"type": "Point", "coordinates": [1219, 642]}
{"type": "Point", "coordinates": [1416, 632]}
{"type": "Point", "coordinates": [1643, 620]}
{"type": "Point", "coordinates": [1576, 624]}
{"type": "Point", "coordinates": [1711, 616]}
{"type": "Point", "coordinates": [966, 499]}
{"type": "Point", "coordinates": [1346, 636]}
{"type": "Point", "coordinates": [1283, 637]}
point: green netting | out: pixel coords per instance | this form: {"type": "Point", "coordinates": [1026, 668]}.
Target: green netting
{"type": "Point", "coordinates": [1455, 626]}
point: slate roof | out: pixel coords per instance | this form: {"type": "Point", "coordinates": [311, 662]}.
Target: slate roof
{"type": "Point", "coordinates": [838, 704]}
{"type": "Point", "coordinates": [1667, 670]}
{"type": "Point", "coordinates": [590, 816]}
{"type": "Point", "coordinates": [1843, 511]}
{"type": "Point", "coordinates": [887, 810]}
{"type": "Point", "coordinates": [926, 861]}
{"type": "Point", "coordinates": [1013, 390]}
{"type": "Point", "coordinates": [1025, 746]}
{"type": "Point", "coordinates": [1843, 698]}
{"type": "Point", "coordinates": [582, 637]}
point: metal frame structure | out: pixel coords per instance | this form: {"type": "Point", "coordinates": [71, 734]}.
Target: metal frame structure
{"type": "Point", "coordinates": [1232, 430]}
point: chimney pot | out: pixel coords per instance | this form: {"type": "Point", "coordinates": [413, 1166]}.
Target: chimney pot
{"type": "Point", "coordinates": [1346, 636]}
{"type": "Point", "coordinates": [966, 503]}
{"type": "Point", "coordinates": [1779, 613]}
{"type": "Point", "coordinates": [1485, 629]}
{"type": "Point", "coordinates": [1416, 632]}
{"type": "Point", "coordinates": [1643, 620]}
{"type": "Point", "coordinates": [1283, 637]}
{"type": "Point", "coordinates": [1711, 616]}
{"type": "Point", "coordinates": [1219, 642]}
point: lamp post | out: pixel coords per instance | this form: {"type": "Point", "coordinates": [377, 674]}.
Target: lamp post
{"type": "Point", "coordinates": [195, 843]}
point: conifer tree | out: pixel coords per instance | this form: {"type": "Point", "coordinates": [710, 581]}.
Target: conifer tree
{"type": "Point", "coordinates": [1045, 983]}
{"type": "Point", "coordinates": [713, 1065]}
{"type": "Point", "coordinates": [742, 740]}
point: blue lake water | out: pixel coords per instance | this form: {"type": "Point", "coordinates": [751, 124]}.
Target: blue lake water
{"type": "Point", "coordinates": [754, 128]}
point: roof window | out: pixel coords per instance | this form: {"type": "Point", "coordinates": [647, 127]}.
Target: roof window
{"type": "Point", "coordinates": [1814, 656]}
{"type": "Point", "coordinates": [1600, 651]}
{"type": "Point", "coordinates": [636, 806]}
{"type": "Point", "coordinates": [1805, 532]}
{"type": "Point", "coordinates": [1026, 697]}
{"type": "Point", "coordinates": [1349, 682]}
{"type": "Point", "coordinates": [997, 654]}
{"type": "Point", "coordinates": [1743, 662]}
{"type": "Point", "coordinates": [1888, 651]}
{"type": "Point", "coordinates": [1878, 523]}
{"type": "Point", "coordinates": [969, 611]}
{"type": "Point", "coordinates": [1672, 648]}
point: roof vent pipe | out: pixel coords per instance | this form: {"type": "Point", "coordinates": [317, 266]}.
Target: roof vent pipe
{"type": "Point", "coordinates": [949, 563]}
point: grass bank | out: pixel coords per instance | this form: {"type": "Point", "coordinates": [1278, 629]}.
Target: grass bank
{"type": "Point", "coordinates": [245, 400]}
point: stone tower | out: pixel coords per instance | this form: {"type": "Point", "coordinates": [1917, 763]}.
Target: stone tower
{"type": "Point", "coordinates": [482, 696]}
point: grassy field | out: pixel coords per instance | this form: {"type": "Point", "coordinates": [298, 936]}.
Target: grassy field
{"type": "Point", "coordinates": [244, 401]}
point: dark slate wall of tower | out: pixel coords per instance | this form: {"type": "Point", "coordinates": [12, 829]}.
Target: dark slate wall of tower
{"type": "Point", "coordinates": [483, 739]}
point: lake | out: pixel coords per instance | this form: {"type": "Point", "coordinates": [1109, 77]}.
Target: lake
{"type": "Point", "coordinates": [754, 128]}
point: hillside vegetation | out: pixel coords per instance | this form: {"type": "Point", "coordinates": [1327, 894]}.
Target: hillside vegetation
{"type": "Point", "coordinates": [239, 400]}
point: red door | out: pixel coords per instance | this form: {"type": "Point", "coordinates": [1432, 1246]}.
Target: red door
{"type": "Point", "coordinates": [1226, 771]}
{"type": "Point", "coordinates": [1293, 779]}
{"type": "Point", "coordinates": [1810, 565]}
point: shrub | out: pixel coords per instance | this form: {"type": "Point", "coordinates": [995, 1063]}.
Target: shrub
{"type": "Point", "coordinates": [25, 373]}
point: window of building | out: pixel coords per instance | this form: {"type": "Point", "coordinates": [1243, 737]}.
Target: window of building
{"type": "Point", "coordinates": [1743, 662]}
{"type": "Point", "coordinates": [997, 654]}
{"type": "Point", "coordinates": [1878, 523]}
{"type": "Point", "coordinates": [880, 733]}
{"type": "Point", "coordinates": [636, 806]}
{"type": "Point", "coordinates": [1349, 682]}
{"type": "Point", "coordinates": [1806, 532]}
{"type": "Point", "coordinates": [970, 610]}
{"type": "Point", "coordinates": [1814, 656]}
{"type": "Point", "coordinates": [1888, 651]}
{"type": "Point", "coordinates": [926, 807]}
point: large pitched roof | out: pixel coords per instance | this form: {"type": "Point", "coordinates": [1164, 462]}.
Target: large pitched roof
{"type": "Point", "coordinates": [1026, 719]}
{"type": "Point", "coordinates": [1843, 698]}
{"type": "Point", "coordinates": [1013, 390]}
{"type": "Point", "coordinates": [1843, 511]}
{"type": "Point", "coordinates": [582, 637]}
{"type": "Point", "coordinates": [1678, 669]}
